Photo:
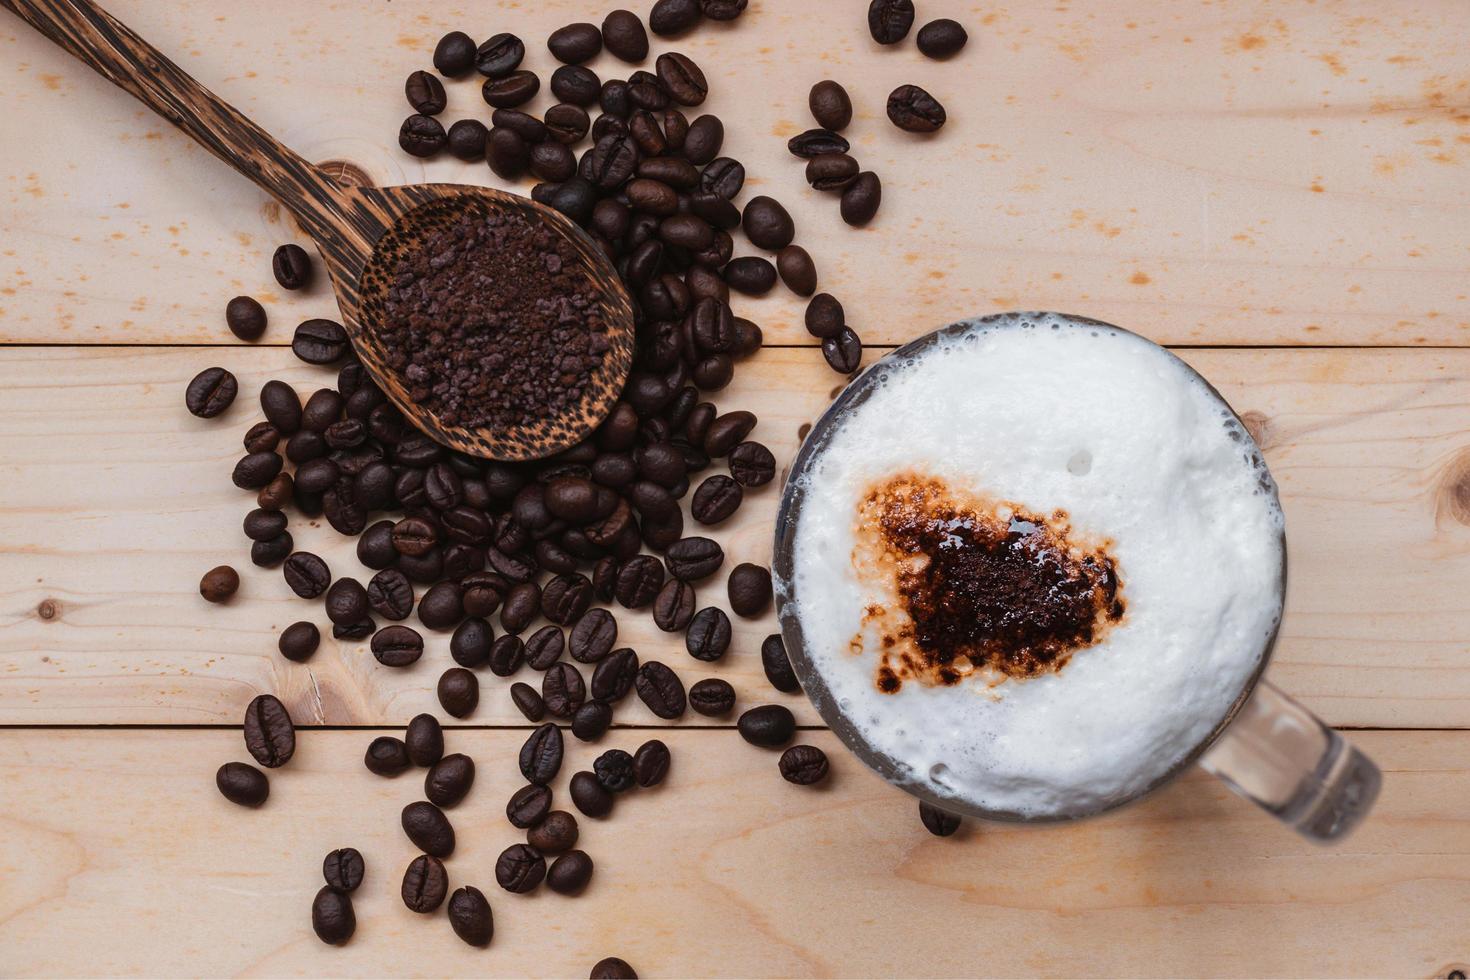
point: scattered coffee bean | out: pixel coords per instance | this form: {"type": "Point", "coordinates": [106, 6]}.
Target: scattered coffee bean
{"type": "Point", "coordinates": [651, 763]}
{"type": "Point", "coordinates": [614, 675]}
{"type": "Point", "coordinates": [359, 630]}
{"type": "Point", "coordinates": [425, 884]}
{"type": "Point", "coordinates": [347, 601]}
{"type": "Point", "coordinates": [519, 868]}
{"type": "Point", "coordinates": [397, 646]}
{"type": "Point", "coordinates": [844, 352]}
{"type": "Point", "coordinates": [694, 558]}
{"type": "Point", "coordinates": [682, 78]}
{"type": "Point", "coordinates": [509, 91]}
{"type": "Point", "coordinates": [673, 608]}
{"type": "Point", "coordinates": [591, 720]}
{"type": "Point", "coordinates": [589, 796]}
{"type": "Point", "coordinates": [454, 55]}
{"type": "Point", "coordinates": [256, 470]}
{"type": "Point", "coordinates": [556, 833]}
{"type": "Point", "coordinates": [777, 665]}
{"type": "Point", "coordinates": [815, 143]}
{"type": "Point", "coordinates": [570, 873]}
{"type": "Point", "coordinates": [831, 172]}
{"type": "Point", "coordinates": [938, 822]}
{"type": "Point", "coordinates": [210, 392]}
{"type": "Point", "coordinates": [576, 85]}
{"type": "Point", "coordinates": [914, 110]}
{"type": "Point", "coordinates": [767, 224]}
{"type": "Point", "coordinates": [541, 755]}
{"type": "Point", "coordinates": [322, 341]}
{"type": "Point", "coordinates": [544, 647]}
{"type": "Point", "coordinates": [522, 604]}
{"type": "Point", "coordinates": [470, 916]}
{"type": "Point", "coordinates": [722, 9]}
{"type": "Point", "coordinates": [593, 636]}
{"type": "Point", "coordinates": [562, 690]}
{"type": "Point", "coordinates": [386, 756]}
{"type": "Point", "coordinates": [750, 590]}
{"type": "Point", "coordinates": [425, 740]}
{"type": "Point", "coordinates": [269, 735]}
{"type": "Point", "coordinates": [941, 38]}
{"type": "Point", "coordinates": [528, 701]}
{"type": "Point", "coordinates": [344, 868]}
{"type": "Point", "coordinates": [299, 641]}
{"type": "Point", "coordinates": [889, 20]}
{"type": "Point", "coordinates": [751, 275]}
{"type": "Point", "coordinates": [425, 93]}
{"type": "Point", "coordinates": [459, 691]}
{"type": "Point", "coordinates": [442, 607]}
{"type": "Point", "coordinates": [332, 917]}
{"type": "Point", "coordinates": [614, 770]}
{"type": "Point", "coordinates": [712, 696]}
{"type": "Point", "coordinates": [709, 634]}
{"type": "Point", "coordinates": [528, 806]}
{"type": "Point", "coordinates": [575, 43]}
{"type": "Point", "coordinates": [219, 584]}
{"type": "Point", "coordinates": [661, 690]}
{"type": "Point", "coordinates": [768, 726]}
{"type": "Point", "coordinates": [565, 598]}
{"type": "Point", "coordinates": [716, 500]}
{"type": "Point", "coordinates": [276, 494]}
{"type": "Point", "coordinates": [624, 37]}
{"type": "Point", "coordinates": [420, 136]}
{"type": "Point", "coordinates": [612, 968]}
{"type": "Point", "coordinates": [861, 199]}
{"type": "Point", "coordinates": [291, 266]}
{"type": "Point", "coordinates": [830, 105]}
{"type": "Point", "coordinates": [639, 580]}
{"type": "Point", "coordinates": [245, 317]}
{"type": "Point", "coordinates": [466, 139]}
{"type": "Point", "coordinates": [797, 270]}
{"type": "Point", "coordinates": [803, 765]}
{"type": "Point", "coordinates": [471, 643]}
{"type": "Point", "coordinates": [390, 595]}
{"type": "Point", "coordinates": [670, 17]}
{"type": "Point", "coordinates": [449, 780]}
{"type": "Point", "coordinates": [499, 56]}
{"type": "Point", "coordinates": [506, 152]}
{"type": "Point", "coordinates": [428, 828]}
{"type": "Point", "coordinates": [752, 464]}
{"type": "Point", "coordinates": [242, 784]}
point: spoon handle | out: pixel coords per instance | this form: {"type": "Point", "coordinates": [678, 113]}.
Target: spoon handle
{"type": "Point", "coordinates": [132, 64]}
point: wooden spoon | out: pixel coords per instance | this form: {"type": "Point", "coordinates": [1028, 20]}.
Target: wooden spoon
{"type": "Point", "coordinates": [361, 232]}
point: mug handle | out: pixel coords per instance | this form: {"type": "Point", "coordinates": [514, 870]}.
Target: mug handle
{"type": "Point", "coordinates": [1283, 758]}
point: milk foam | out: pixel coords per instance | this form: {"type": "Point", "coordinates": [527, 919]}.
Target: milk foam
{"type": "Point", "coordinates": [1055, 413]}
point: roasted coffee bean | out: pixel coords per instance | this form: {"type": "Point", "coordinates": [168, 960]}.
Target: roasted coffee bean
{"type": "Point", "coordinates": [941, 38]}
{"type": "Point", "coordinates": [397, 646]}
{"type": "Point", "coordinates": [268, 554]}
{"type": "Point", "coordinates": [428, 828]}
{"type": "Point", "coordinates": [425, 740]}
{"type": "Point", "coordinates": [299, 641]}
{"type": "Point", "coordinates": [712, 696]}
{"type": "Point", "coordinates": [624, 36]}
{"type": "Point", "coordinates": [471, 643]}
{"type": "Point", "coordinates": [303, 447]}
{"type": "Point", "coordinates": [470, 916]}
{"type": "Point", "coordinates": [611, 162]}
{"type": "Point", "coordinates": [709, 634]}
{"type": "Point", "coordinates": [604, 578]}
{"type": "Point", "coordinates": [639, 581]}
{"type": "Point", "coordinates": [242, 784]}
{"type": "Point", "coordinates": [616, 102]}
{"type": "Point", "coordinates": [844, 352]}
{"type": "Point", "coordinates": [245, 317]}
{"type": "Point", "coordinates": [332, 917]}
{"type": "Point", "coordinates": [722, 9]}
{"type": "Point", "coordinates": [651, 763]}
{"type": "Point", "coordinates": [519, 868]}
{"type": "Point", "coordinates": [661, 690]}
{"type": "Point", "coordinates": [768, 726]}
{"type": "Point", "coordinates": [803, 765]}
{"type": "Point", "coordinates": [661, 463]}
{"type": "Point", "coordinates": [914, 110]}
{"type": "Point", "coordinates": [575, 85]}
{"type": "Point", "coordinates": [612, 968]}
{"type": "Point", "coordinates": [749, 588]}
{"type": "Point", "coordinates": [522, 604]}
{"type": "Point", "coordinates": [449, 780]}
{"type": "Point", "coordinates": [686, 231]}
{"type": "Point", "coordinates": [425, 883]}
{"type": "Point", "coordinates": [507, 654]}
{"type": "Point", "coordinates": [938, 822]}
{"type": "Point", "coordinates": [673, 608]}
{"type": "Point", "coordinates": [575, 43]}
{"type": "Point", "coordinates": [390, 595]}
{"type": "Point", "coordinates": [316, 475]}
{"type": "Point", "coordinates": [344, 868]}
{"type": "Point", "coordinates": [563, 690]}
{"type": "Point", "coordinates": [357, 630]}
{"type": "Point", "coordinates": [751, 275]}
{"type": "Point", "coordinates": [386, 756]}
{"type": "Point", "coordinates": [514, 568]}
{"type": "Point", "coordinates": [425, 93]}
{"type": "Point", "coordinates": [715, 500]}
{"type": "Point", "coordinates": [528, 806]}
{"type": "Point", "coordinates": [830, 105]}
{"type": "Point", "coordinates": [544, 648]}
{"type": "Point", "coordinates": [482, 592]}
{"type": "Point", "coordinates": [777, 665]}
{"type": "Point", "coordinates": [861, 199]}
{"type": "Point", "coordinates": [321, 341]}
{"type": "Point", "coordinates": [593, 636]}
{"type": "Point", "coordinates": [694, 558]}
{"type": "Point", "coordinates": [645, 91]}
{"type": "Point", "coordinates": [670, 17]}
{"type": "Point", "coordinates": [682, 78]}
{"type": "Point", "coordinates": [458, 691]}
{"type": "Point", "coordinates": [589, 796]}
{"type": "Point", "coordinates": [824, 316]}
{"type": "Point", "coordinates": [652, 499]}
{"type": "Point", "coordinates": [291, 266]}
{"type": "Point", "coordinates": [277, 493]}
{"type": "Point", "coordinates": [556, 833]}
{"type": "Point", "coordinates": [889, 20]}
{"type": "Point", "coordinates": [671, 170]}
{"type": "Point", "coordinates": [703, 141]}
{"type": "Point", "coordinates": [592, 720]}
{"type": "Point", "coordinates": [509, 91]}
{"type": "Point", "coordinates": [831, 172]}
{"type": "Point", "coordinates": [346, 601]}
{"type": "Point", "coordinates": [442, 607]}
{"type": "Point", "coordinates": [614, 771]}
{"type": "Point", "coordinates": [570, 873]}
{"type": "Point", "coordinates": [797, 270]}
{"type": "Point", "coordinates": [614, 675]}
{"type": "Point", "coordinates": [815, 143]}
{"type": "Point", "coordinates": [572, 499]}
{"type": "Point", "coordinates": [467, 138]}
{"type": "Point", "coordinates": [269, 735]}
{"type": "Point", "coordinates": [420, 136]}
{"type": "Point", "coordinates": [528, 701]}
{"type": "Point", "coordinates": [541, 755]}
{"type": "Point", "coordinates": [219, 584]}
{"type": "Point", "coordinates": [443, 487]}
{"type": "Point", "coordinates": [507, 153]}
{"type": "Point", "coordinates": [454, 55]}
{"type": "Point", "coordinates": [261, 437]}
{"type": "Point", "coordinates": [767, 224]}
{"type": "Point", "coordinates": [615, 470]}
{"type": "Point", "coordinates": [281, 405]}
{"type": "Point", "coordinates": [651, 197]}
{"type": "Point", "coordinates": [527, 126]}
{"type": "Point", "coordinates": [723, 176]}
{"type": "Point", "coordinates": [499, 56]}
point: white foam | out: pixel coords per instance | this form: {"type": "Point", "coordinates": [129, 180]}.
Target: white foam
{"type": "Point", "coordinates": [1125, 438]}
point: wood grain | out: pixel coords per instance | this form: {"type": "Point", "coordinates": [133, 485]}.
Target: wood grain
{"type": "Point", "coordinates": [1248, 173]}
{"type": "Point", "coordinates": [723, 871]}
{"type": "Point", "coordinates": [117, 501]}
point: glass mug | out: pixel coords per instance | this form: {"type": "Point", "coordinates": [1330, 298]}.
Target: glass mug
{"type": "Point", "coordinates": [1267, 748]}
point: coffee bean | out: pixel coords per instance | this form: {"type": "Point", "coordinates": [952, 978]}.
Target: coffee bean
{"type": "Point", "coordinates": [749, 589]}
{"type": "Point", "coordinates": [299, 641]}
{"type": "Point", "coordinates": [715, 500]}
{"type": "Point", "coordinates": [612, 968]}
{"type": "Point", "coordinates": [425, 93]}
{"type": "Point", "coordinates": [661, 690]}
{"type": "Point", "coordinates": [861, 199]}
{"type": "Point", "coordinates": [210, 392]}
{"type": "Point", "coordinates": [499, 56]}
{"type": "Point", "coordinates": [544, 647]}
{"type": "Point", "coordinates": [481, 593]}
{"type": "Point", "coordinates": [428, 828]}
{"type": "Point", "coordinates": [830, 105]}
{"type": "Point", "coordinates": [768, 726]}
{"type": "Point", "coordinates": [459, 691]}
{"type": "Point", "coordinates": [525, 125]}
{"type": "Point", "coordinates": [390, 595]}
{"type": "Point", "coordinates": [357, 630]}
{"type": "Point", "coordinates": [519, 868]}
{"type": "Point", "coordinates": [703, 141]}
{"type": "Point", "coordinates": [386, 756]}
{"type": "Point", "coordinates": [565, 598]}
{"type": "Point", "coordinates": [709, 634]}
{"type": "Point", "coordinates": [575, 85]}
{"type": "Point", "coordinates": [639, 581]}
{"type": "Point", "coordinates": [575, 43]}
{"type": "Point", "coordinates": [831, 172]}
{"type": "Point", "coordinates": [344, 868]}
{"type": "Point", "coordinates": [624, 37]}
{"type": "Point", "coordinates": [889, 20]}
{"type": "Point", "coordinates": [593, 636]}
{"type": "Point", "coordinates": [268, 554]}
{"type": "Point", "coordinates": [321, 341]}
{"type": "Point", "coordinates": [242, 784]}
{"type": "Point", "coordinates": [592, 720]}
{"type": "Point", "coordinates": [470, 916]}
{"type": "Point", "coordinates": [563, 690]}
{"type": "Point", "coordinates": [803, 765]}
{"type": "Point", "coordinates": [844, 352]}
{"type": "Point", "coordinates": [522, 605]}
{"type": "Point", "coordinates": [751, 275]}
{"type": "Point", "coordinates": [425, 883]}
{"type": "Point", "coordinates": [673, 608]}
{"type": "Point", "coordinates": [767, 224]}
{"type": "Point", "coordinates": [528, 701]}
{"type": "Point", "coordinates": [397, 646]}
{"type": "Point", "coordinates": [506, 152]}
{"type": "Point", "coordinates": [567, 123]}
{"type": "Point", "coordinates": [712, 696]}
{"type": "Point", "coordinates": [454, 55]}
{"type": "Point", "coordinates": [682, 78]}
{"type": "Point", "coordinates": [443, 487]}
{"type": "Point", "coordinates": [686, 231]}
{"type": "Point", "coordinates": [346, 601]}
{"type": "Point", "coordinates": [541, 755]}
{"type": "Point", "coordinates": [614, 675]}
{"type": "Point", "coordinates": [694, 558]}
{"type": "Point", "coordinates": [777, 665]}
{"type": "Point", "coordinates": [414, 536]}
{"type": "Point", "coordinates": [269, 735]}
{"type": "Point", "coordinates": [723, 176]}
{"type": "Point", "coordinates": [589, 796]}
{"type": "Point", "coordinates": [614, 770]}
{"type": "Point", "coordinates": [941, 38]}
{"type": "Point", "coordinates": [449, 780]}
{"type": "Point", "coordinates": [332, 917]}
{"type": "Point", "coordinates": [914, 110]}
{"type": "Point", "coordinates": [442, 607]}
{"type": "Point", "coordinates": [670, 17]}
{"type": "Point", "coordinates": [466, 139]}
{"type": "Point", "coordinates": [245, 318]}
{"type": "Point", "coordinates": [425, 740]}
{"type": "Point", "coordinates": [277, 493]}
{"type": "Point", "coordinates": [815, 143]}
{"type": "Point", "coordinates": [291, 266]}
{"type": "Point", "coordinates": [528, 806]}
{"type": "Point", "coordinates": [261, 437]}
{"type": "Point", "coordinates": [316, 475]}
{"type": "Point", "coordinates": [471, 643]}
{"type": "Point", "coordinates": [219, 584]}
{"type": "Point", "coordinates": [556, 833]}
{"type": "Point", "coordinates": [420, 136]}
{"type": "Point", "coordinates": [722, 9]}
{"type": "Point", "coordinates": [570, 873]}
{"type": "Point", "coordinates": [509, 91]}
{"type": "Point", "coordinates": [938, 822]}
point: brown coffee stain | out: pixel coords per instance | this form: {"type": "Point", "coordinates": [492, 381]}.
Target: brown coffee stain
{"type": "Point", "coordinates": [1317, 188]}
{"type": "Point", "coordinates": [1333, 63]}
{"type": "Point", "coordinates": [1244, 42]}
{"type": "Point", "coordinates": [413, 42]}
{"type": "Point", "coordinates": [1140, 278]}
{"type": "Point", "coordinates": [784, 129]}
{"type": "Point", "coordinates": [52, 82]}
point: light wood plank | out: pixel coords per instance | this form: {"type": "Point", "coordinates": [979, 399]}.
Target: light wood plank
{"type": "Point", "coordinates": [723, 871]}
{"type": "Point", "coordinates": [1246, 173]}
{"type": "Point", "coordinates": [116, 501]}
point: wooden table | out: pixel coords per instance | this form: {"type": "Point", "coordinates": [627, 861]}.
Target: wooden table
{"type": "Point", "coordinates": [1278, 188]}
